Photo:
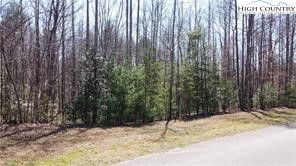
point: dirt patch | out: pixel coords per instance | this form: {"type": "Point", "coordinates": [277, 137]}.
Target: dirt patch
{"type": "Point", "coordinates": [27, 132]}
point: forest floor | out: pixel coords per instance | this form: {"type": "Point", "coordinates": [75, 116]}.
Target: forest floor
{"type": "Point", "coordinates": [44, 144]}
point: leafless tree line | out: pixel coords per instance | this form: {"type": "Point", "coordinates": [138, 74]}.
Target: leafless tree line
{"type": "Point", "coordinates": [43, 45]}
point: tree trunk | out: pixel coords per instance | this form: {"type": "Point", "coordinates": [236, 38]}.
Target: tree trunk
{"type": "Point", "coordinates": [172, 57]}
{"type": "Point", "coordinates": [248, 65]}
{"type": "Point", "coordinates": [237, 61]}
{"type": "Point", "coordinates": [73, 89]}
{"type": "Point", "coordinates": [87, 26]}
{"type": "Point", "coordinates": [137, 38]}
{"type": "Point", "coordinates": [63, 62]}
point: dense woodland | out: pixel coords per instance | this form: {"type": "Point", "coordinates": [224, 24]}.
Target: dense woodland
{"type": "Point", "coordinates": [112, 62]}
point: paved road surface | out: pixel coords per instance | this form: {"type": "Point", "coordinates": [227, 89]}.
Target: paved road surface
{"type": "Point", "coordinates": [272, 146]}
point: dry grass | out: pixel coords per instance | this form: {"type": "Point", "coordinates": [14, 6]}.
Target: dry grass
{"type": "Point", "coordinates": [97, 146]}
